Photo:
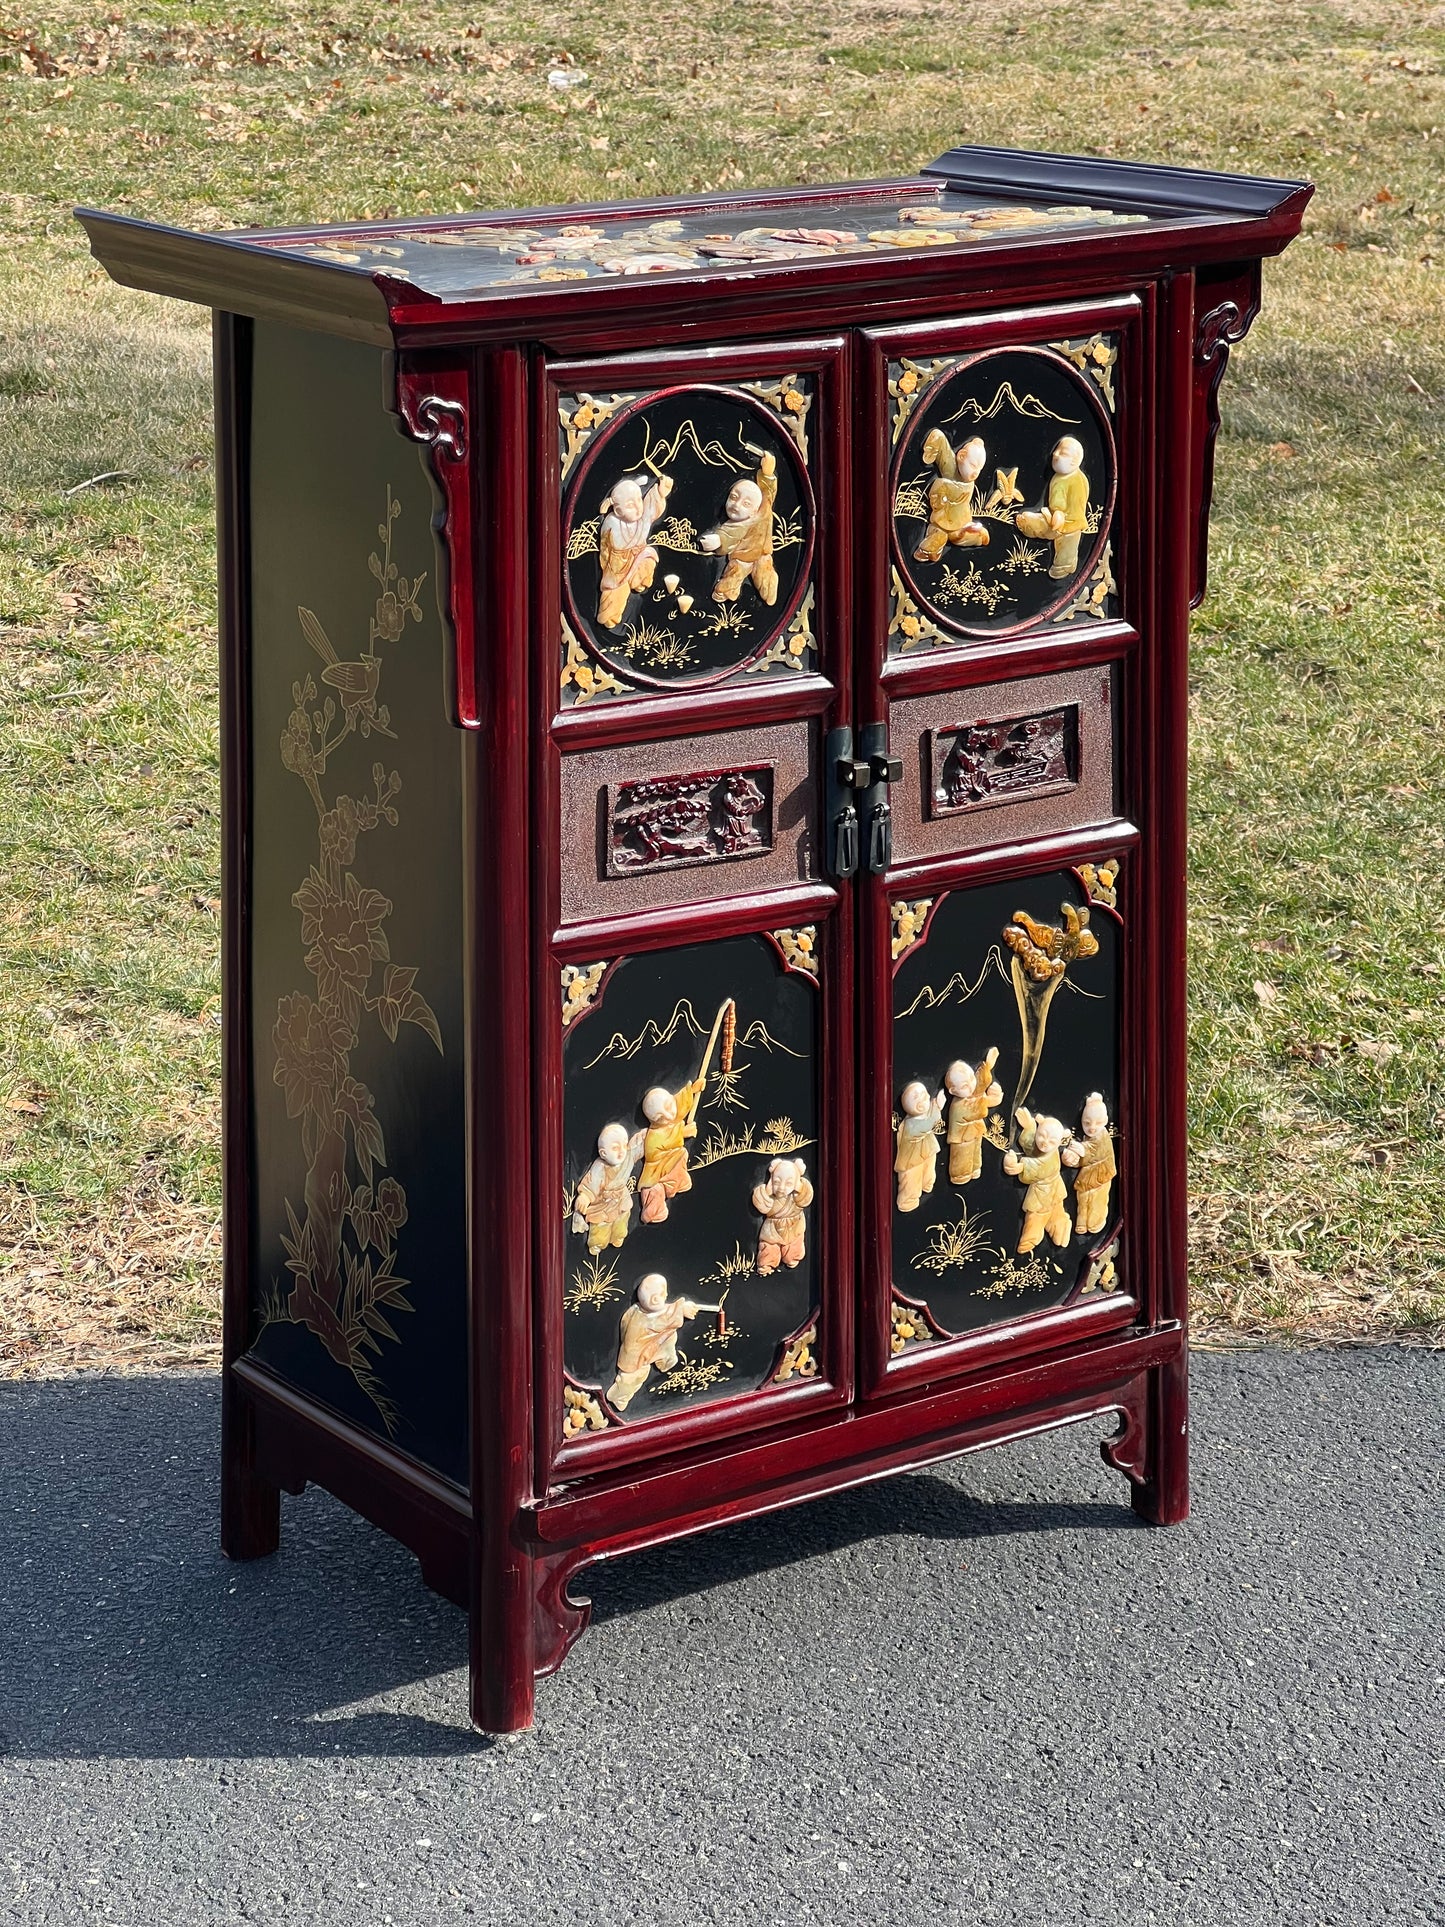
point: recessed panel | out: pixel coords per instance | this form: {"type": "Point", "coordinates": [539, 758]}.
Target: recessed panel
{"type": "Point", "coordinates": [1004, 1152]}
{"type": "Point", "coordinates": [1003, 491]}
{"type": "Point", "coordinates": [687, 535]}
{"type": "Point", "coordinates": [692, 1185]}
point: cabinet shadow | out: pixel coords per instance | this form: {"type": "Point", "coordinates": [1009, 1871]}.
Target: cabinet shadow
{"type": "Point", "coordinates": [124, 1632]}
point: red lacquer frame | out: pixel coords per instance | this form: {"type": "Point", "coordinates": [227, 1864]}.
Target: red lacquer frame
{"type": "Point", "coordinates": [819, 695]}
{"type": "Point", "coordinates": [509, 1545]}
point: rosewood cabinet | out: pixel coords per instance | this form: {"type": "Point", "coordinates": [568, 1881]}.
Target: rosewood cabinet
{"type": "Point", "coordinates": [704, 737]}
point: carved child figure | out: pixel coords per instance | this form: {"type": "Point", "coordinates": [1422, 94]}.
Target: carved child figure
{"type": "Point", "coordinates": [951, 520]}
{"type": "Point", "coordinates": [974, 1094]}
{"type": "Point", "coordinates": [781, 1203]}
{"type": "Point", "coordinates": [1094, 1162]}
{"type": "Point", "coordinates": [670, 1122]}
{"type": "Point", "coordinates": [648, 1338]}
{"type": "Point", "coordinates": [746, 536]}
{"type": "Point", "coordinates": [603, 1204]}
{"type": "Point", "coordinates": [917, 1159]}
{"type": "Point", "coordinates": [1065, 517]}
{"type": "Point", "coordinates": [1045, 1206]}
{"type": "Point", "coordinates": [628, 559]}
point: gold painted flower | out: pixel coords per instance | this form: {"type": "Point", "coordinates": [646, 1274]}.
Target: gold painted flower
{"type": "Point", "coordinates": [346, 937]}
{"type": "Point", "coordinates": [298, 752]}
{"type": "Point", "coordinates": [338, 830]}
{"type": "Point", "coordinates": [794, 400]}
{"type": "Point", "coordinates": [584, 416]}
{"type": "Point", "coordinates": [311, 1045]}
{"type": "Point", "coordinates": [908, 381]}
{"type": "Point", "coordinates": [390, 618]}
{"type": "Point", "coordinates": [911, 626]}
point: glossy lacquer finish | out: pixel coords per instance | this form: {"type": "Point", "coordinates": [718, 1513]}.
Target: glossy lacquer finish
{"type": "Point", "coordinates": [703, 703]}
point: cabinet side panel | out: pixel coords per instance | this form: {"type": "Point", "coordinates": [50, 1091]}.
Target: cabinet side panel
{"type": "Point", "coordinates": [358, 1274]}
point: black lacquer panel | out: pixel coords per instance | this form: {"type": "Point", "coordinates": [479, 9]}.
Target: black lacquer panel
{"type": "Point", "coordinates": [688, 532]}
{"type": "Point", "coordinates": [988, 535]}
{"type": "Point", "coordinates": [956, 996]}
{"type": "Point", "coordinates": [358, 1295]}
{"type": "Point", "coordinates": [656, 1020]}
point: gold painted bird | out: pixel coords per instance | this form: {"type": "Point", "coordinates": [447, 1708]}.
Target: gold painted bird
{"type": "Point", "coordinates": [1007, 493]}
{"type": "Point", "coordinates": [356, 683]}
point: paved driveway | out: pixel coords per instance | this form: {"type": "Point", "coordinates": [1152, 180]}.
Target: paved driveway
{"type": "Point", "coordinates": [981, 1694]}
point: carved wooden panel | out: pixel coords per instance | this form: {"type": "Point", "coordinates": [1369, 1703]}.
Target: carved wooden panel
{"type": "Point", "coordinates": [974, 765]}
{"type": "Point", "coordinates": [671, 822]}
{"type": "Point", "coordinates": [975, 768]}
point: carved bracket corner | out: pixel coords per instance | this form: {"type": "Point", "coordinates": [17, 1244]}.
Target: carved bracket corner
{"type": "Point", "coordinates": [559, 1619]}
{"type": "Point", "coordinates": [1224, 311]}
{"type": "Point", "coordinates": [1126, 1450]}
{"type": "Point", "coordinates": [433, 405]}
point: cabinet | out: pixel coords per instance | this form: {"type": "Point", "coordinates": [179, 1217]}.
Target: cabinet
{"type": "Point", "coordinates": [704, 722]}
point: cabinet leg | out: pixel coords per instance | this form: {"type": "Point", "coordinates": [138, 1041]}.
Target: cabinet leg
{"type": "Point", "coordinates": [1163, 1497]}
{"type": "Point", "coordinates": [250, 1505]}
{"type": "Point", "coordinates": [502, 1681]}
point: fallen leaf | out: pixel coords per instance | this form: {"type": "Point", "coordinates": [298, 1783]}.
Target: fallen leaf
{"type": "Point", "coordinates": [1266, 993]}
{"type": "Point", "coordinates": [1283, 450]}
{"type": "Point", "coordinates": [18, 1103]}
{"type": "Point", "coordinates": [1377, 1052]}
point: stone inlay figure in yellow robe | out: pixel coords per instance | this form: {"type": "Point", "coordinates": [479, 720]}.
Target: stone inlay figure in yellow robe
{"type": "Point", "coordinates": [1045, 1201]}
{"type": "Point", "coordinates": [648, 1338]}
{"type": "Point", "coordinates": [671, 1120]}
{"type": "Point", "coordinates": [1065, 517]}
{"type": "Point", "coordinates": [603, 1204]}
{"type": "Point", "coordinates": [973, 1094]}
{"type": "Point", "coordinates": [628, 559]}
{"type": "Point", "coordinates": [780, 1203]}
{"type": "Point", "coordinates": [951, 520]}
{"type": "Point", "coordinates": [916, 1162]}
{"type": "Point", "coordinates": [745, 536]}
{"type": "Point", "coordinates": [1093, 1160]}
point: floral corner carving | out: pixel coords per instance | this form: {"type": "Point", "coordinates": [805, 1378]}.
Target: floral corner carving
{"type": "Point", "coordinates": [791, 401]}
{"type": "Point", "coordinates": [799, 948]}
{"type": "Point", "coordinates": [796, 642]}
{"type": "Point", "coordinates": [581, 1412]}
{"type": "Point", "coordinates": [907, 381]}
{"type": "Point", "coordinates": [580, 984]}
{"type": "Point", "coordinates": [907, 620]}
{"type": "Point", "coordinates": [586, 678]}
{"type": "Point", "coordinates": [579, 417]}
{"type": "Point", "coordinates": [909, 920]}
{"type": "Point", "coordinates": [1094, 598]}
{"type": "Point", "coordinates": [1101, 882]}
{"type": "Point", "coordinates": [1096, 357]}
{"type": "Point", "coordinates": [909, 1325]}
{"type": "Point", "coordinates": [798, 1360]}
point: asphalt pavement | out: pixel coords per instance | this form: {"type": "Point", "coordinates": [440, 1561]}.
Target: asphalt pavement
{"type": "Point", "coordinates": [981, 1694]}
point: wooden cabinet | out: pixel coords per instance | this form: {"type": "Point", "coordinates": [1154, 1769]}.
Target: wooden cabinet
{"type": "Point", "coordinates": [704, 773]}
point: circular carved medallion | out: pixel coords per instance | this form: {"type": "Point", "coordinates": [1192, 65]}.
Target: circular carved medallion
{"type": "Point", "coordinates": [687, 537]}
{"type": "Point", "coordinates": [1003, 491]}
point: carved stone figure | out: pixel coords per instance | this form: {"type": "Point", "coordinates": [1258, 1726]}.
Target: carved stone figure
{"type": "Point", "coordinates": [1093, 1161]}
{"type": "Point", "coordinates": [628, 559]}
{"type": "Point", "coordinates": [951, 520]}
{"type": "Point", "coordinates": [745, 537]}
{"type": "Point", "coordinates": [781, 1202]}
{"type": "Point", "coordinates": [603, 1204]}
{"type": "Point", "coordinates": [648, 1338]}
{"type": "Point", "coordinates": [917, 1157]}
{"type": "Point", "coordinates": [741, 801]}
{"type": "Point", "coordinates": [1065, 515]}
{"type": "Point", "coordinates": [973, 1095]}
{"type": "Point", "coordinates": [1045, 1201]}
{"type": "Point", "coordinates": [671, 1120]}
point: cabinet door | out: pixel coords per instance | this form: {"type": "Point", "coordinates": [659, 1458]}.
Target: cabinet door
{"type": "Point", "coordinates": [696, 1004]}
{"type": "Point", "coordinates": [1000, 1098]}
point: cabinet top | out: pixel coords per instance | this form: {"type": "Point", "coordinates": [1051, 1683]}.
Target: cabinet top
{"type": "Point", "coordinates": [408, 280]}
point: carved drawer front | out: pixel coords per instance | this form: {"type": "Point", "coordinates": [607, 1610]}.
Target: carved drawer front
{"type": "Point", "coordinates": [1006, 997]}
{"type": "Point", "coordinates": [647, 825]}
{"type": "Point", "coordinates": [694, 1181]}
{"type": "Point", "coordinates": [1004, 483]}
{"type": "Point", "coordinates": [687, 537]}
{"type": "Point", "coordinates": [1002, 761]}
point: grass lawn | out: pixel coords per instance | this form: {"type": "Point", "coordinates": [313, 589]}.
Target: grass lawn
{"type": "Point", "coordinates": [1318, 963]}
